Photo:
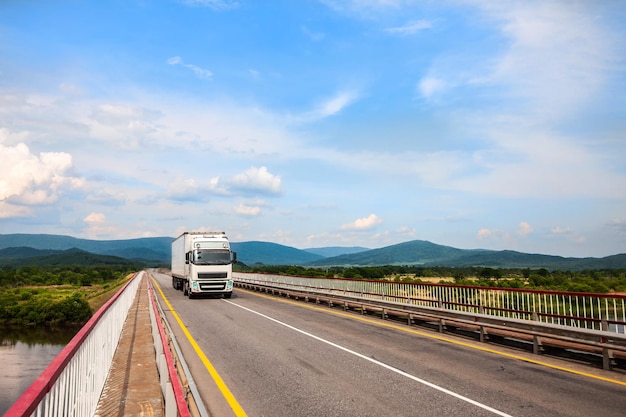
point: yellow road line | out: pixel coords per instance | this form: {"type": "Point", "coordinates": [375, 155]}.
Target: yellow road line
{"type": "Point", "coordinates": [405, 329]}
{"type": "Point", "coordinates": [230, 398]}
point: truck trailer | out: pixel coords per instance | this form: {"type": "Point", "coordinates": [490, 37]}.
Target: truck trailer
{"type": "Point", "coordinates": [202, 263]}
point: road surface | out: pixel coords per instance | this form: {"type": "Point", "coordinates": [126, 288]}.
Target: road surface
{"type": "Point", "coordinates": [276, 357]}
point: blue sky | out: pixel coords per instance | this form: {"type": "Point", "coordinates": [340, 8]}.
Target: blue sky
{"type": "Point", "coordinates": [470, 123]}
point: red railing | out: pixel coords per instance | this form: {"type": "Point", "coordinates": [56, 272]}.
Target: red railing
{"type": "Point", "coordinates": [32, 398]}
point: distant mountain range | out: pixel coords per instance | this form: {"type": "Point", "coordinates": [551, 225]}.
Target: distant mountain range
{"type": "Point", "coordinates": [151, 248]}
{"type": "Point", "coordinates": [23, 256]}
{"type": "Point", "coordinates": [16, 248]}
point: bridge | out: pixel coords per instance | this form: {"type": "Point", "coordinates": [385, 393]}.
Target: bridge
{"type": "Point", "coordinates": [293, 346]}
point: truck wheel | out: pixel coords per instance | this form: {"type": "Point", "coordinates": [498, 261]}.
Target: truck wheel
{"type": "Point", "coordinates": [185, 289]}
{"type": "Point", "coordinates": [228, 295]}
{"type": "Point", "coordinates": [174, 283]}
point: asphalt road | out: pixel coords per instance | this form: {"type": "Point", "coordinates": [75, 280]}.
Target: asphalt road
{"type": "Point", "coordinates": [285, 358]}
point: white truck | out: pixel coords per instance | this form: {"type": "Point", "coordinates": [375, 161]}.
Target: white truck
{"type": "Point", "coordinates": [202, 263]}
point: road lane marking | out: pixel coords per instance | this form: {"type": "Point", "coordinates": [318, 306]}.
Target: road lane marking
{"type": "Point", "coordinates": [230, 398]}
{"type": "Point", "coordinates": [440, 338]}
{"type": "Point", "coordinates": [376, 362]}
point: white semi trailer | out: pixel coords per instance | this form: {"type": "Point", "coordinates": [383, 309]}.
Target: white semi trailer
{"type": "Point", "coordinates": [202, 263]}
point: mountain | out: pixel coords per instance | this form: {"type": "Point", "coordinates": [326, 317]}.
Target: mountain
{"type": "Point", "coordinates": [24, 252]}
{"type": "Point", "coordinates": [69, 257]}
{"type": "Point", "coordinates": [331, 251]}
{"type": "Point", "coordinates": [417, 252]}
{"type": "Point", "coordinates": [151, 249]}
{"type": "Point", "coordinates": [408, 253]}
{"type": "Point", "coordinates": [266, 253]}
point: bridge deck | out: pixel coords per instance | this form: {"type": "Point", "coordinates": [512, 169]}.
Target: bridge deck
{"type": "Point", "coordinates": [132, 387]}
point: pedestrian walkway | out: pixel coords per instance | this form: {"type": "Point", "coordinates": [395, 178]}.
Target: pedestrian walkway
{"type": "Point", "coordinates": [132, 387]}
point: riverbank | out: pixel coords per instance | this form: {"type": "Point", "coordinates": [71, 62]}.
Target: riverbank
{"type": "Point", "coordinates": [41, 305]}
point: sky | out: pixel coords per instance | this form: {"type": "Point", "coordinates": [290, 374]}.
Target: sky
{"type": "Point", "coordinates": [488, 124]}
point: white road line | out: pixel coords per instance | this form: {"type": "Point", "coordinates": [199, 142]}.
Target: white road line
{"type": "Point", "coordinates": [374, 361]}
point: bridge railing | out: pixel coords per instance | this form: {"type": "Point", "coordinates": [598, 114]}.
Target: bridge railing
{"type": "Point", "coordinates": [606, 312]}
{"type": "Point", "coordinates": [71, 385]}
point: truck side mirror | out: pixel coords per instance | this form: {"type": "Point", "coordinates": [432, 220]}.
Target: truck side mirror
{"type": "Point", "coordinates": [187, 256]}
{"type": "Point", "coordinates": [234, 257]}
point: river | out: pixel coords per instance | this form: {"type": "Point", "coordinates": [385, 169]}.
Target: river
{"type": "Point", "coordinates": [25, 352]}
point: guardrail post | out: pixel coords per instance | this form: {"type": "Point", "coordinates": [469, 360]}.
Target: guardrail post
{"type": "Point", "coordinates": [481, 310]}
{"type": "Point", "coordinates": [537, 344]}
{"type": "Point", "coordinates": [607, 354]}
{"type": "Point", "coordinates": [170, 401]}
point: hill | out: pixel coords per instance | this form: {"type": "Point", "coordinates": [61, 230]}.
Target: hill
{"type": "Point", "coordinates": [332, 251]}
{"type": "Point", "coordinates": [25, 252]}
{"type": "Point", "coordinates": [62, 258]}
{"type": "Point", "coordinates": [419, 252]}
{"type": "Point", "coordinates": [156, 250]}
{"type": "Point", "coordinates": [150, 249]}
{"type": "Point", "coordinates": [408, 253]}
{"type": "Point", "coordinates": [266, 253]}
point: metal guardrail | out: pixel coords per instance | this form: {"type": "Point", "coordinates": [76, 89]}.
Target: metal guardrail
{"type": "Point", "coordinates": [171, 386]}
{"type": "Point", "coordinates": [540, 314]}
{"type": "Point", "coordinates": [71, 385]}
{"type": "Point", "coordinates": [581, 310]}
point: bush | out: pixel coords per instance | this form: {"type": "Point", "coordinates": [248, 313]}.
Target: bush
{"type": "Point", "coordinates": [75, 309]}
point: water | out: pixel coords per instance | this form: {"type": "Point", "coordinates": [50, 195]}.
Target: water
{"type": "Point", "coordinates": [24, 354]}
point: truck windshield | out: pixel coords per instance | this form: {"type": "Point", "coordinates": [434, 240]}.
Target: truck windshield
{"type": "Point", "coordinates": [211, 257]}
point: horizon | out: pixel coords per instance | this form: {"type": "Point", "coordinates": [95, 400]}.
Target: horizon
{"type": "Point", "coordinates": [325, 247]}
{"type": "Point", "coordinates": [473, 124]}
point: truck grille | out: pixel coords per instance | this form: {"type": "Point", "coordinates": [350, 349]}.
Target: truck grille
{"type": "Point", "coordinates": [212, 275]}
{"type": "Point", "coordinates": [212, 286]}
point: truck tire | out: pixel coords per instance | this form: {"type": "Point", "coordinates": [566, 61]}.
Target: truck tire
{"type": "Point", "coordinates": [186, 288]}
{"type": "Point", "coordinates": [228, 295]}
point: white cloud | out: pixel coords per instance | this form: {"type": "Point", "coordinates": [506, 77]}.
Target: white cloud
{"type": "Point", "coordinates": [192, 190]}
{"type": "Point", "coordinates": [9, 211]}
{"type": "Point", "coordinates": [558, 56]}
{"type": "Point", "coordinates": [30, 179]}
{"type": "Point", "coordinates": [363, 223]}
{"type": "Point", "coordinates": [99, 227]}
{"type": "Point", "coordinates": [568, 234]}
{"type": "Point", "coordinates": [257, 180]}
{"type": "Point", "coordinates": [430, 86]}
{"type": "Point", "coordinates": [558, 230]}
{"type": "Point", "coordinates": [524, 229]}
{"type": "Point", "coordinates": [246, 210]}
{"type": "Point", "coordinates": [410, 28]}
{"type": "Point", "coordinates": [95, 218]}
{"type": "Point", "coordinates": [201, 73]}
{"type": "Point", "coordinates": [330, 106]}
{"type": "Point", "coordinates": [10, 138]}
